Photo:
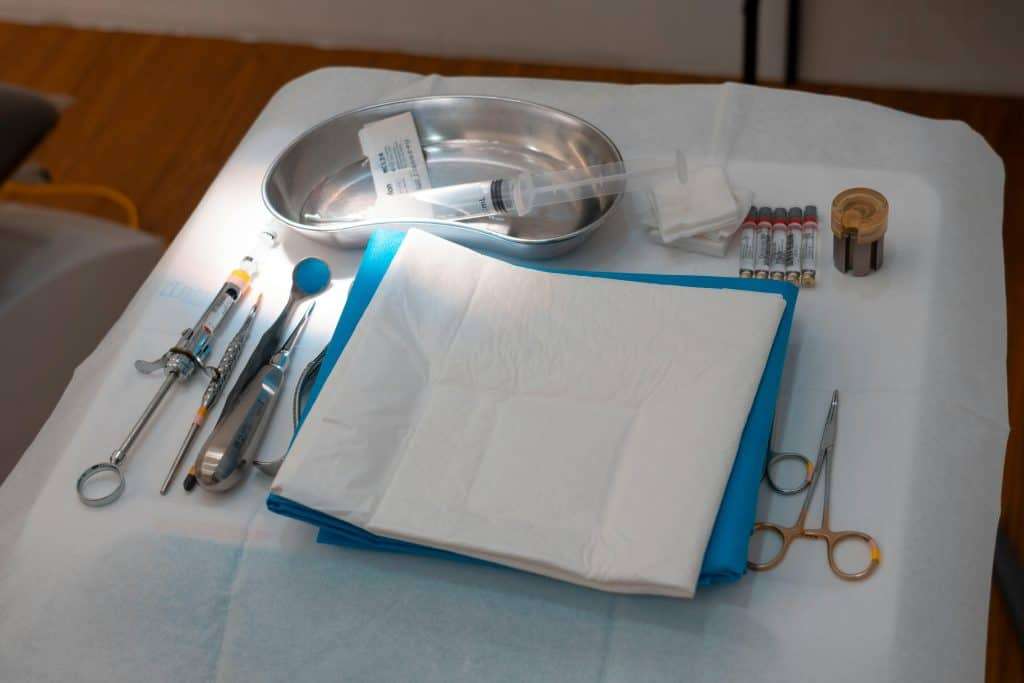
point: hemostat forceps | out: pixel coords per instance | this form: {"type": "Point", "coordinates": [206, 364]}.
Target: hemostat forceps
{"type": "Point", "coordinates": [832, 539]}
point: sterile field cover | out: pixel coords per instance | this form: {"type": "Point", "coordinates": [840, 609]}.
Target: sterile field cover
{"type": "Point", "coordinates": [725, 558]}
{"type": "Point", "coordinates": [580, 428]}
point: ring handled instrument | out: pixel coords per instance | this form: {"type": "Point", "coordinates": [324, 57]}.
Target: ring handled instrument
{"type": "Point", "coordinates": [788, 534]}
{"type": "Point", "coordinates": [778, 457]}
{"type": "Point", "coordinates": [177, 363]}
{"type": "Point", "coordinates": [117, 458]}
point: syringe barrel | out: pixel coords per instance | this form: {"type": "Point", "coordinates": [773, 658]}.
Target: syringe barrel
{"type": "Point", "coordinates": [195, 341]}
{"type": "Point", "coordinates": [558, 187]}
{"type": "Point", "coordinates": [464, 201]}
{"type": "Point", "coordinates": [520, 194]}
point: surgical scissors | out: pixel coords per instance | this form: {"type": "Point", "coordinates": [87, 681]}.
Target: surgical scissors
{"type": "Point", "coordinates": [832, 539]}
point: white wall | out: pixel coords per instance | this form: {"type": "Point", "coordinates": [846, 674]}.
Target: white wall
{"type": "Point", "coordinates": [676, 35]}
{"type": "Point", "coordinates": [954, 45]}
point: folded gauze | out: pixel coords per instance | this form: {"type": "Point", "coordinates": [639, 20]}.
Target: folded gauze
{"type": "Point", "coordinates": [715, 241]}
{"type": "Point", "coordinates": [580, 428]}
{"type": "Point", "coordinates": [704, 204]}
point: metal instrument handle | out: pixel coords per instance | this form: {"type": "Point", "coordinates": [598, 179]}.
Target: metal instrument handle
{"type": "Point", "coordinates": [193, 429]}
{"type": "Point", "coordinates": [218, 377]}
{"type": "Point", "coordinates": [786, 534]}
{"type": "Point", "coordinates": [260, 356]}
{"type": "Point", "coordinates": [835, 538]}
{"type": "Point", "coordinates": [231, 355]}
{"type": "Point", "coordinates": [119, 455]}
{"type": "Point", "coordinates": [774, 459]}
{"type": "Point", "coordinates": [280, 362]}
{"type": "Point", "coordinates": [94, 470]}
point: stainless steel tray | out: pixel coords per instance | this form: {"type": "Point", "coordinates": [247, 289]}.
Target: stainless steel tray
{"type": "Point", "coordinates": [464, 138]}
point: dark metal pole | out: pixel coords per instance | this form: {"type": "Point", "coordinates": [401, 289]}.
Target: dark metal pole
{"type": "Point", "coordinates": [751, 14]}
{"type": "Point", "coordinates": [792, 42]}
{"type": "Point", "coordinates": [1010, 579]}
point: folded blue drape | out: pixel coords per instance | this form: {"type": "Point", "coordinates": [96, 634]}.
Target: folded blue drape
{"type": "Point", "coordinates": [726, 556]}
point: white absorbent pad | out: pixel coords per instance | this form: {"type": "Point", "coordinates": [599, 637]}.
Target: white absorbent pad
{"type": "Point", "coordinates": [714, 242]}
{"type": "Point", "coordinates": [581, 428]}
{"type": "Point", "coordinates": [699, 206]}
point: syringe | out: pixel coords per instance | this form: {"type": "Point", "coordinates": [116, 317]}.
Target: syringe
{"type": "Point", "coordinates": [178, 363]}
{"type": "Point", "coordinates": [516, 195]}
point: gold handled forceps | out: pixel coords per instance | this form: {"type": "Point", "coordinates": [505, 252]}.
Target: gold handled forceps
{"type": "Point", "coordinates": [788, 534]}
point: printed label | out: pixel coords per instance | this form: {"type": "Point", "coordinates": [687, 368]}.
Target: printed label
{"type": "Point", "coordinates": [392, 147]}
{"type": "Point", "coordinates": [466, 199]}
{"type": "Point", "coordinates": [793, 243]}
{"type": "Point", "coordinates": [763, 249]}
{"type": "Point", "coordinates": [485, 200]}
{"type": "Point", "coordinates": [779, 250]}
{"type": "Point", "coordinates": [809, 250]}
{"type": "Point", "coordinates": [747, 249]}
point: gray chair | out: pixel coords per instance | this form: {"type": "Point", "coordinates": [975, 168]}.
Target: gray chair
{"type": "Point", "coordinates": [27, 118]}
{"type": "Point", "coordinates": [64, 280]}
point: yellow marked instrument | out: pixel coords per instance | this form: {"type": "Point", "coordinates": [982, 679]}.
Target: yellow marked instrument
{"type": "Point", "coordinates": [219, 377]}
{"type": "Point", "coordinates": [788, 534]}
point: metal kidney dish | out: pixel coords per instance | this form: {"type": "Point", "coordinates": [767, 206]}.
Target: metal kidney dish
{"type": "Point", "coordinates": [464, 138]}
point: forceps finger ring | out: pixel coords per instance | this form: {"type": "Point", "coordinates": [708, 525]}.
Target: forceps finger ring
{"type": "Point", "coordinates": [98, 470]}
{"type": "Point", "coordinates": [785, 536]}
{"type": "Point", "coordinates": [836, 538]}
{"type": "Point", "coordinates": [775, 458]}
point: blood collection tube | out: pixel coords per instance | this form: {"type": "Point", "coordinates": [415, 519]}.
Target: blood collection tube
{"type": "Point", "coordinates": [747, 243]}
{"type": "Point", "coordinates": [779, 229]}
{"type": "Point", "coordinates": [763, 243]}
{"type": "Point", "coordinates": [794, 237]}
{"type": "Point", "coordinates": [809, 247]}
